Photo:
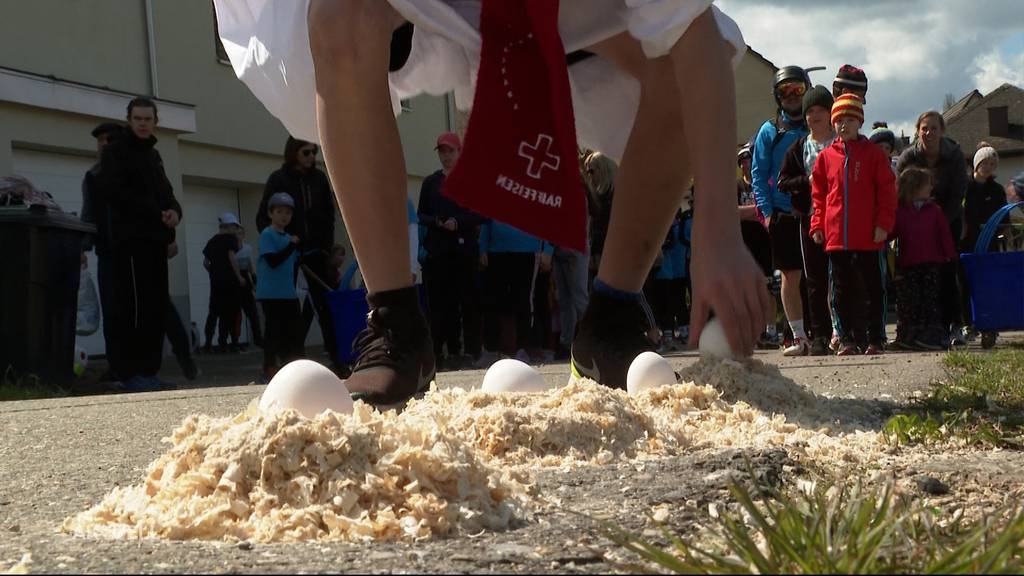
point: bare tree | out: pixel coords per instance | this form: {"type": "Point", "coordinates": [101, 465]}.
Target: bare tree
{"type": "Point", "coordinates": [948, 101]}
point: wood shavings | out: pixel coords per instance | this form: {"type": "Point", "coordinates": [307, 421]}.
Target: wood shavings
{"type": "Point", "coordinates": [453, 463]}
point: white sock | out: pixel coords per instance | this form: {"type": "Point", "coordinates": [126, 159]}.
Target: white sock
{"type": "Point", "coordinates": [798, 329]}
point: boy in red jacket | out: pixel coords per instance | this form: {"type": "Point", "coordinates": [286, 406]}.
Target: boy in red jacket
{"type": "Point", "coordinates": [854, 193]}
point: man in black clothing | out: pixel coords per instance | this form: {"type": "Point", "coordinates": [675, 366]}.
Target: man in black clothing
{"type": "Point", "coordinates": [451, 268]}
{"type": "Point", "coordinates": [313, 222]}
{"type": "Point", "coordinates": [95, 211]}
{"type": "Point", "coordinates": [143, 214]}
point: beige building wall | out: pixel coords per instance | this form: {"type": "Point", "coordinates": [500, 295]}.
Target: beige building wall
{"type": "Point", "coordinates": [96, 42]}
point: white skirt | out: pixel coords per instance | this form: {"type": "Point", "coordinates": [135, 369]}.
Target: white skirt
{"type": "Point", "coordinates": [267, 42]}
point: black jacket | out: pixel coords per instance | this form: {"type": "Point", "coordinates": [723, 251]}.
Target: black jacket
{"type": "Point", "coordinates": [132, 183]}
{"type": "Point", "coordinates": [950, 176]}
{"type": "Point", "coordinates": [794, 178]}
{"type": "Point", "coordinates": [313, 217]}
{"type": "Point", "coordinates": [434, 209]}
{"type": "Point", "coordinates": [95, 211]}
{"type": "Point", "coordinates": [982, 201]}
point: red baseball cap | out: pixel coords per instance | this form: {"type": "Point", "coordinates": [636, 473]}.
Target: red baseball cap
{"type": "Point", "coordinates": [449, 139]}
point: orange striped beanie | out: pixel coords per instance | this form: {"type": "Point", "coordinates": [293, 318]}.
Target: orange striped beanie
{"type": "Point", "coordinates": [848, 105]}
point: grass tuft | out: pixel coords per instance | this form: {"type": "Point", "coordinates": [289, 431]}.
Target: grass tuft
{"type": "Point", "coordinates": [835, 529]}
{"type": "Point", "coordinates": [981, 402]}
{"type": "Point", "coordinates": [16, 387]}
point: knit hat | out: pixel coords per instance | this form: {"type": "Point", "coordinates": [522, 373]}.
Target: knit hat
{"type": "Point", "coordinates": [984, 153]}
{"type": "Point", "coordinates": [850, 77]}
{"type": "Point", "coordinates": [883, 134]}
{"type": "Point", "coordinates": [848, 105]}
{"type": "Point", "coordinates": [1018, 183]}
{"type": "Point", "coordinates": [818, 96]}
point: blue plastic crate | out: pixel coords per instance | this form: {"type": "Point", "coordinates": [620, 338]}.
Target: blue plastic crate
{"type": "Point", "coordinates": [348, 309]}
{"type": "Point", "coordinates": [995, 281]}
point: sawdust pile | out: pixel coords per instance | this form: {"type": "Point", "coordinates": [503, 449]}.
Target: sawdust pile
{"type": "Point", "coordinates": [455, 462]}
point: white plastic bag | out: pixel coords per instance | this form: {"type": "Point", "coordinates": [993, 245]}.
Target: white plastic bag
{"type": "Point", "coordinates": [88, 321]}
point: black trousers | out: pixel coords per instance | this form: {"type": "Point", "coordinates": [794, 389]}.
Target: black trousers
{"type": "Point", "coordinates": [284, 338]}
{"type": "Point", "coordinates": [105, 279]}
{"type": "Point", "coordinates": [454, 303]}
{"type": "Point", "coordinates": [177, 335]}
{"type": "Point", "coordinates": [816, 282]}
{"type": "Point", "coordinates": [247, 300]}
{"type": "Point", "coordinates": [858, 284]}
{"type": "Point", "coordinates": [509, 288]}
{"type": "Point", "coordinates": [667, 297]}
{"type": "Point", "coordinates": [225, 306]}
{"type": "Point", "coordinates": [542, 334]}
{"type": "Point", "coordinates": [317, 264]}
{"type": "Point", "coordinates": [139, 308]}
{"type": "Point", "coordinates": [917, 301]}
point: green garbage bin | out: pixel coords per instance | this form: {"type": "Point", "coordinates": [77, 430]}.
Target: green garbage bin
{"type": "Point", "coordinates": [39, 290]}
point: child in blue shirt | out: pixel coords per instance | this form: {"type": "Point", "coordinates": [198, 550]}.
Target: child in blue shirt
{"type": "Point", "coordinates": [275, 287]}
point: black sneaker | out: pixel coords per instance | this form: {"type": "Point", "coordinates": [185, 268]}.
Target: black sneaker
{"type": "Point", "coordinates": [188, 367]}
{"type": "Point", "coordinates": [609, 336]}
{"type": "Point", "coordinates": [819, 347]}
{"type": "Point", "coordinates": [395, 352]}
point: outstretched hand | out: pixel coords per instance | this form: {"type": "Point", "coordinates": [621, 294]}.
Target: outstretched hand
{"type": "Point", "coordinates": [726, 279]}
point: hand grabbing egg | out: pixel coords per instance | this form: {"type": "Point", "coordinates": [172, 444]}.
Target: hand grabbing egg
{"type": "Point", "coordinates": [511, 375]}
{"type": "Point", "coordinates": [648, 370]}
{"type": "Point", "coordinates": [713, 341]}
{"type": "Point", "coordinates": [307, 387]}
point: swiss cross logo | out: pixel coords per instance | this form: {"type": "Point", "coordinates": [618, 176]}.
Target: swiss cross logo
{"type": "Point", "coordinates": [539, 159]}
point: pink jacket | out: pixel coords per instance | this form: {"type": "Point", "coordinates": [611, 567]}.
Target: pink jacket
{"type": "Point", "coordinates": [923, 234]}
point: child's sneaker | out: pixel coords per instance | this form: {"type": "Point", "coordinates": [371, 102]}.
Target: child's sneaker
{"type": "Point", "coordinates": [768, 341]}
{"type": "Point", "coordinates": [927, 345]}
{"type": "Point", "coordinates": [609, 336]}
{"type": "Point", "coordinates": [799, 347]}
{"type": "Point", "coordinates": [847, 350]}
{"type": "Point", "coordinates": [396, 353]}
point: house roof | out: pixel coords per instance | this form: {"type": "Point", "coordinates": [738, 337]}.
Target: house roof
{"type": "Point", "coordinates": [961, 105]}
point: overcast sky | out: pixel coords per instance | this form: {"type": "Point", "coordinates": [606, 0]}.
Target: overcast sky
{"type": "Point", "coordinates": [913, 51]}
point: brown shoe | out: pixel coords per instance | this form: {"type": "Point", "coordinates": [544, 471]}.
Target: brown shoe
{"type": "Point", "coordinates": [396, 353]}
{"type": "Point", "coordinates": [873, 350]}
{"type": "Point", "coordinates": [847, 350]}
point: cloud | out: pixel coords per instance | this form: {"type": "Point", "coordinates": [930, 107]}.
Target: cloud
{"type": "Point", "coordinates": [913, 51]}
{"type": "Point", "coordinates": [991, 70]}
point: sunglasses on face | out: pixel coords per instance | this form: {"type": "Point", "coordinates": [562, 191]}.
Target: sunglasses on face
{"type": "Point", "coordinates": [792, 89]}
{"type": "Point", "coordinates": [309, 152]}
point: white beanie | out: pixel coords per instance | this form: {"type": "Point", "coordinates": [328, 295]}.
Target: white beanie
{"type": "Point", "coordinates": [985, 153]}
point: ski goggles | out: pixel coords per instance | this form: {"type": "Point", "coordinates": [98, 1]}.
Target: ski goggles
{"type": "Point", "coordinates": [790, 89]}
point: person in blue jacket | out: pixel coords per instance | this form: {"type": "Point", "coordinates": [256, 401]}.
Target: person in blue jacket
{"type": "Point", "coordinates": [667, 294]}
{"type": "Point", "coordinates": [770, 145]}
{"type": "Point", "coordinates": [511, 259]}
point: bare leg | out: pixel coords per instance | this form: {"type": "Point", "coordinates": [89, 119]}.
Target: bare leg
{"type": "Point", "coordinates": [350, 42]}
{"type": "Point", "coordinates": [673, 125]}
{"type": "Point", "coordinates": [791, 302]}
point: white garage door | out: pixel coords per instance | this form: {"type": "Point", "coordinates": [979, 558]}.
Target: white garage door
{"type": "Point", "coordinates": [203, 205]}
{"type": "Point", "coordinates": [61, 175]}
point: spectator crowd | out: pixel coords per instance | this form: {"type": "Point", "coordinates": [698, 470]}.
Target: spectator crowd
{"type": "Point", "coordinates": [837, 216]}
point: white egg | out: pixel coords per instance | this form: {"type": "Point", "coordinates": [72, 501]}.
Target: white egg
{"type": "Point", "coordinates": [511, 375]}
{"type": "Point", "coordinates": [713, 341]}
{"type": "Point", "coordinates": [649, 370]}
{"type": "Point", "coordinates": [308, 387]}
